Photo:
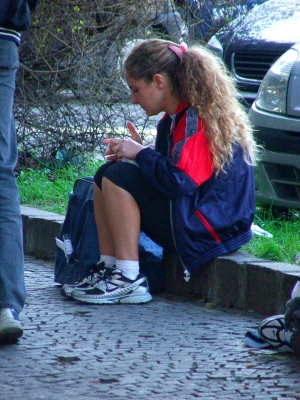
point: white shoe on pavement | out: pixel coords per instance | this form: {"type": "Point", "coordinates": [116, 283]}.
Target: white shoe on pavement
{"type": "Point", "coordinates": [273, 331]}
{"type": "Point", "coordinates": [10, 326]}
{"type": "Point", "coordinates": [115, 288]}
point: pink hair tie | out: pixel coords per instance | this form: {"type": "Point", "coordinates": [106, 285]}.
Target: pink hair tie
{"type": "Point", "coordinates": [178, 50]}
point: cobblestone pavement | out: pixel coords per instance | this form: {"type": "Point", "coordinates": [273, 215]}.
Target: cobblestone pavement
{"type": "Point", "coordinates": [166, 349]}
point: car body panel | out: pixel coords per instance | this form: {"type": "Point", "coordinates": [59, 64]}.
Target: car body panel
{"type": "Point", "coordinates": [277, 180]}
{"type": "Point", "coordinates": [278, 173]}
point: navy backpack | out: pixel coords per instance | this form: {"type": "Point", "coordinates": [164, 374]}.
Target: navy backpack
{"type": "Point", "coordinates": [77, 247]}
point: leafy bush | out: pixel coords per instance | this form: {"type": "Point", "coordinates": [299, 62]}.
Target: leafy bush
{"type": "Point", "coordinates": [70, 90]}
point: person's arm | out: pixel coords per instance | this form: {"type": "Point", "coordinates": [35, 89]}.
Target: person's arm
{"type": "Point", "coordinates": [195, 166]}
{"type": "Point", "coordinates": [164, 176]}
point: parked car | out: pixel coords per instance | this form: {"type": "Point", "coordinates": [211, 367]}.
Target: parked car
{"type": "Point", "coordinates": [206, 17]}
{"type": "Point", "coordinates": [276, 118]}
{"type": "Point", "coordinates": [176, 20]}
{"type": "Point", "coordinates": [250, 44]}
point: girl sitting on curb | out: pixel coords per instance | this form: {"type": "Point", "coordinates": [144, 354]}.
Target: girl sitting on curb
{"type": "Point", "coordinates": [194, 193]}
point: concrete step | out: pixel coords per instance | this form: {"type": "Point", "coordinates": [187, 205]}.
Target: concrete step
{"type": "Point", "coordinates": [237, 280]}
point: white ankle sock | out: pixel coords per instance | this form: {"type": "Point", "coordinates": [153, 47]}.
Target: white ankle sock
{"type": "Point", "coordinates": [109, 261]}
{"type": "Point", "coordinates": [129, 268]}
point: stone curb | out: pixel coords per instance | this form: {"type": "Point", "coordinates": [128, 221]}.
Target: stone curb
{"type": "Point", "coordinates": [238, 280]}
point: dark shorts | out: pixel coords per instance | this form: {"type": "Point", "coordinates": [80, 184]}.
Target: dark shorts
{"type": "Point", "coordinates": [154, 208]}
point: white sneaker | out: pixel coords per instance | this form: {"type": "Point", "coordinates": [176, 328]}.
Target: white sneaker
{"type": "Point", "coordinates": [273, 331]}
{"type": "Point", "coordinates": [115, 288]}
{"type": "Point", "coordinates": [93, 275]}
{"type": "Point", "coordinates": [10, 326]}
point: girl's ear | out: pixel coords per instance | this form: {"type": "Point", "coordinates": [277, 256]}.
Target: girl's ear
{"type": "Point", "coordinates": [159, 81]}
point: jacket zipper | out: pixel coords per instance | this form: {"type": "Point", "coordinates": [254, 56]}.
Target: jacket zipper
{"type": "Point", "coordinates": [186, 272]}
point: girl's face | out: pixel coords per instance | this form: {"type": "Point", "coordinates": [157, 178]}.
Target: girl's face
{"type": "Point", "coordinates": [150, 96]}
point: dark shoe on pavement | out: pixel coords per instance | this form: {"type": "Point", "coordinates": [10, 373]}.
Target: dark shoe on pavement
{"type": "Point", "coordinates": [93, 275]}
{"type": "Point", "coordinates": [115, 288]}
{"type": "Point", "coordinates": [10, 326]}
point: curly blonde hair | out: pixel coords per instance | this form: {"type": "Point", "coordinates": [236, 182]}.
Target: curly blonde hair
{"type": "Point", "coordinates": [201, 79]}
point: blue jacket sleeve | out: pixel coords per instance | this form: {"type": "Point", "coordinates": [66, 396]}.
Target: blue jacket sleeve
{"type": "Point", "coordinates": [164, 176]}
{"type": "Point", "coordinates": [15, 14]}
{"type": "Point", "coordinates": [33, 4]}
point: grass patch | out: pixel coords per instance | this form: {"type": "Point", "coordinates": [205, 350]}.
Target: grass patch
{"type": "Point", "coordinates": [285, 228]}
{"type": "Point", "coordinates": [49, 190]}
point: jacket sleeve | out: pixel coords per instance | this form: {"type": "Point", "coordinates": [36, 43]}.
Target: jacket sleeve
{"type": "Point", "coordinates": [33, 4]}
{"type": "Point", "coordinates": [164, 176]}
{"type": "Point", "coordinates": [6, 7]}
{"type": "Point", "coordinates": [15, 14]}
{"type": "Point", "coordinates": [194, 167]}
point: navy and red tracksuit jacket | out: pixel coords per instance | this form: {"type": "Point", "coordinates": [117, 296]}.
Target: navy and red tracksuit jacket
{"type": "Point", "coordinates": [211, 214]}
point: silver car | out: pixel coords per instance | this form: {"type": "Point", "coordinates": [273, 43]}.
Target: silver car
{"type": "Point", "coordinates": [276, 118]}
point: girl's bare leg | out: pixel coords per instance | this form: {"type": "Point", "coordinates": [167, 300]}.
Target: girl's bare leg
{"type": "Point", "coordinates": [118, 221]}
{"type": "Point", "coordinates": [106, 246]}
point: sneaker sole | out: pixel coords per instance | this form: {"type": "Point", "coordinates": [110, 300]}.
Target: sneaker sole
{"type": "Point", "coordinates": [10, 335]}
{"type": "Point", "coordinates": [66, 293]}
{"type": "Point", "coordinates": [132, 299]}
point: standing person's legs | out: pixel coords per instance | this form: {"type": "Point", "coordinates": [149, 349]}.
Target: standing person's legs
{"type": "Point", "coordinates": [12, 288]}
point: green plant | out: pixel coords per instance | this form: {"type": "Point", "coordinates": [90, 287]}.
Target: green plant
{"type": "Point", "coordinates": [70, 91]}
{"type": "Point", "coordinates": [285, 228]}
{"type": "Point", "coordinates": [49, 188]}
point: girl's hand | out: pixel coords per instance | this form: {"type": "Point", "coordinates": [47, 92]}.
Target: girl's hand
{"type": "Point", "coordinates": [134, 133]}
{"type": "Point", "coordinates": [124, 148]}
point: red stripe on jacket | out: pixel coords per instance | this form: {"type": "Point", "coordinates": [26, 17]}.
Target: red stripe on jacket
{"type": "Point", "coordinates": [196, 158]}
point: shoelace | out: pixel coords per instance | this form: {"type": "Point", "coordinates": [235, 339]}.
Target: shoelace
{"type": "Point", "coordinates": [94, 272]}
{"type": "Point", "coordinates": [108, 273]}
